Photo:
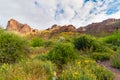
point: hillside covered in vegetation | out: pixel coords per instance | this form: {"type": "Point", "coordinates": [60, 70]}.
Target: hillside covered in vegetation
{"type": "Point", "coordinates": [64, 55]}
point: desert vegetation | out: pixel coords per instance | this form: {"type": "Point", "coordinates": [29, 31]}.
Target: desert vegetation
{"type": "Point", "coordinates": [74, 57]}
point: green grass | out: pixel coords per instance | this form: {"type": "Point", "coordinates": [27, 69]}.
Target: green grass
{"type": "Point", "coordinates": [101, 56]}
{"type": "Point", "coordinates": [113, 39]}
{"type": "Point", "coordinates": [116, 60]}
{"type": "Point", "coordinates": [36, 42]}
{"type": "Point", "coordinates": [27, 70]}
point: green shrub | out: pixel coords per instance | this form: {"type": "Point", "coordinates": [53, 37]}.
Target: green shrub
{"type": "Point", "coordinates": [113, 39]}
{"type": "Point", "coordinates": [48, 43]}
{"type": "Point", "coordinates": [101, 56]}
{"type": "Point", "coordinates": [85, 70]}
{"type": "Point", "coordinates": [62, 53]}
{"type": "Point", "coordinates": [27, 70]}
{"type": "Point", "coordinates": [37, 42]}
{"type": "Point", "coordinates": [43, 57]}
{"type": "Point", "coordinates": [12, 47]}
{"type": "Point", "coordinates": [116, 60]}
{"type": "Point", "coordinates": [88, 42]}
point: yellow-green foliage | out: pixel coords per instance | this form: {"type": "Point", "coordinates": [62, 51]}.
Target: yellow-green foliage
{"type": "Point", "coordinates": [85, 70]}
{"type": "Point", "coordinates": [116, 60]}
{"type": "Point", "coordinates": [102, 56]}
{"type": "Point", "coordinates": [27, 70]}
{"type": "Point", "coordinates": [68, 34]}
{"type": "Point", "coordinates": [36, 42]}
{"type": "Point", "coordinates": [60, 50]}
{"type": "Point", "coordinates": [113, 39]}
{"type": "Point", "coordinates": [12, 47]}
{"type": "Point", "coordinates": [62, 53]}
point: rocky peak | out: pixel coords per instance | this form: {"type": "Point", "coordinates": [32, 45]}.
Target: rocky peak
{"type": "Point", "coordinates": [14, 25]}
{"type": "Point", "coordinates": [65, 28]}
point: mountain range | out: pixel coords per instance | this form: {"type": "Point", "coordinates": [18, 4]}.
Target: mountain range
{"type": "Point", "coordinates": [106, 26]}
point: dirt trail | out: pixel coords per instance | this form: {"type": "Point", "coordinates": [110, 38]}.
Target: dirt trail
{"type": "Point", "coordinates": [107, 64]}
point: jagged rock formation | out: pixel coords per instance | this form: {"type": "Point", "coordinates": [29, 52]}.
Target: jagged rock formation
{"type": "Point", "coordinates": [14, 25]}
{"type": "Point", "coordinates": [58, 29]}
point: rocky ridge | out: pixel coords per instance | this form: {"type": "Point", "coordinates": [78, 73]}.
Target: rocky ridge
{"type": "Point", "coordinates": [58, 29]}
{"type": "Point", "coordinates": [14, 25]}
{"type": "Point", "coordinates": [106, 26]}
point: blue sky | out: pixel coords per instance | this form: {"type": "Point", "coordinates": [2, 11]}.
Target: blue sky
{"type": "Point", "coordinates": [42, 14]}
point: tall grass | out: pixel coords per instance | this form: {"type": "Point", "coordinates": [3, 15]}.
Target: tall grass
{"type": "Point", "coordinates": [27, 70]}
{"type": "Point", "coordinates": [113, 39]}
{"type": "Point", "coordinates": [116, 60]}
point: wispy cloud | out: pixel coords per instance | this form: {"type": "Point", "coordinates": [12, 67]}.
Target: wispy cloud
{"type": "Point", "coordinates": [42, 14]}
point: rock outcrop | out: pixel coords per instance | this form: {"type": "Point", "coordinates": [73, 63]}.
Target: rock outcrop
{"type": "Point", "coordinates": [106, 26]}
{"type": "Point", "coordinates": [81, 29]}
{"type": "Point", "coordinates": [58, 29]}
{"type": "Point", "coordinates": [14, 25]}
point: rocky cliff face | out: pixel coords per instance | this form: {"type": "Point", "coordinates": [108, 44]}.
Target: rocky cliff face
{"type": "Point", "coordinates": [14, 25]}
{"type": "Point", "coordinates": [58, 29]}
{"type": "Point", "coordinates": [107, 26]}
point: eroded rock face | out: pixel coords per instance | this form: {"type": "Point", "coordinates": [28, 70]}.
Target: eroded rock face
{"type": "Point", "coordinates": [69, 28]}
{"type": "Point", "coordinates": [106, 26]}
{"type": "Point", "coordinates": [25, 29]}
{"type": "Point", "coordinates": [66, 28]}
{"type": "Point", "coordinates": [14, 25]}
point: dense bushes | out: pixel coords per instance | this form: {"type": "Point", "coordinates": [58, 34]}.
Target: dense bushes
{"type": "Point", "coordinates": [62, 53]}
{"type": "Point", "coordinates": [93, 48]}
{"type": "Point", "coordinates": [74, 57]}
{"type": "Point", "coordinates": [87, 42]}
{"type": "Point", "coordinates": [85, 70]}
{"type": "Point", "coordinates": [12, 47]}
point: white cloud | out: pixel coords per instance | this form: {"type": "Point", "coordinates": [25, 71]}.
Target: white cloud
{"type": "Point", "coordinates": [42, 14]}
